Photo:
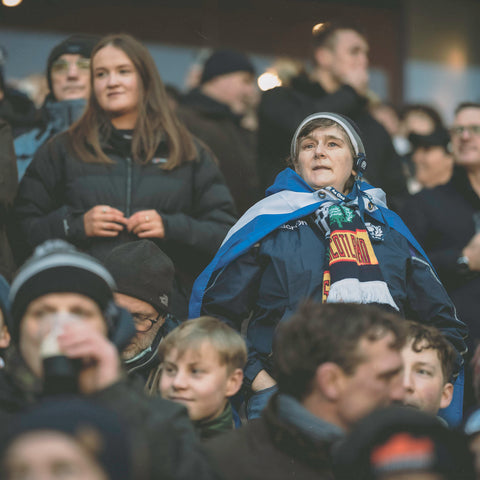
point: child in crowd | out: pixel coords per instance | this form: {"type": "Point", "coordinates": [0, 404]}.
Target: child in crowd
{"type": "Point", "coordinates": [201, 367]}
{"type": "Point", "coordinates": [429, 361]}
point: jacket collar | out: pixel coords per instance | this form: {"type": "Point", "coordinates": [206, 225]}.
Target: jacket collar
{"type": "Point", "coordinates": [290, 433]}
{"type": "Point", "coordinates": [208, 105]}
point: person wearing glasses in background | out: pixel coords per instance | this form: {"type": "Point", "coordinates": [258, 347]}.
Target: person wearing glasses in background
{"type": "Point", "coordinates": [446, 219]}
{"type": "Point", "coordinates": [144, 278]}
{"type": "Point", "coordinates": [68, 77]}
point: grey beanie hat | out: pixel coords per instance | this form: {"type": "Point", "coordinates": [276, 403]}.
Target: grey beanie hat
{"type": "Point", "coordinates": [348, 125]}
{"type": "Point", "coordinates": [55, 267]}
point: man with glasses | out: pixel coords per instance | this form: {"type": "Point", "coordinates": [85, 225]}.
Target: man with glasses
{"type": "Point", "coordinates": [68, 77]}
{"type": "Point", "coordinates": [144, 278]}
{"type": "Point", "coordinates": [446, 219]}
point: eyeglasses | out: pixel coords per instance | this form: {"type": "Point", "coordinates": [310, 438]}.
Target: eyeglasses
{"type": "Point", "coordinates": [459, 129]}
{"type": "Point", "coordinates": [62, 66]}
{"type": "Point", "coordinates": [143, 323]}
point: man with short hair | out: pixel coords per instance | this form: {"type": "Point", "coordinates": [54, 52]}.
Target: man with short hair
{"type": "Point", "coordinates": [338, 83]}
{"type": "Point", "coordinates": [213, 112]}
{"type": "Point", "coordinates": [429, 363]}
{"type": "Point", "coordinates": [68, 77]}
{"type": "Point", "coordinates": [446, 219]}
{"type": "Point", "coordinates": [144, 277]}
{"type": "Point", "coordinates": [334, 364]}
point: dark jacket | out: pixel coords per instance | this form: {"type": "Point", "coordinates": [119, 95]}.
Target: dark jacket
{"type": "Point", "coordinates": [8, 189]}
{"type": "Point", "coordinates": [56, 118]}
{"type": "Point", "coordinates": [18, 110]}
{"type": "Point", "coordinates": [234, 146]}
{"type": "Point", "coordinates": [282, 109]}
{"type": "Point", "coordinates": [444, 219]}
{"type": "Point", "coordinates": [271, 279]}
{"type": "Point", "coordinates": [193, 200]}
{"type": "Point", "coordinates": [272, 447]}
{"type": "Point", "coordinates": [163, 427]}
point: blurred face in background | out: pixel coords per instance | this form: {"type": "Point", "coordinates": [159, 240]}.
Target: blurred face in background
{"type": "Point", "coordinates": [345, 58]}
{"type": "Point", "coordinates": [35, 324]}
{"type": "Point", "coordinates": [433, 165]}
{"type": "Point", "coordinates": [50, 455]}
{"type": "Point", "coordinates": [465, 133]}
{"type": "Point", "coordinates": [70, 75]}
{"type": "Point", "coordinates": [236, 89]}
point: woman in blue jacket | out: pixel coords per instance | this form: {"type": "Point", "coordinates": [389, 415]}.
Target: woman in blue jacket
{"type": "Point", "coordinates": [323, 234]}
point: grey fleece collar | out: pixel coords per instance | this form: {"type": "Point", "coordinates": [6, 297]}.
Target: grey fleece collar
{"type": "Point", "coordinates": [291, 411]}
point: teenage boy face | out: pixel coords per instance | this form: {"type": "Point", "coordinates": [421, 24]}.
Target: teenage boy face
{"type": "Point", "coordinates": [425, 387]}
{"type": "Point", "coordinates": [199, 381]}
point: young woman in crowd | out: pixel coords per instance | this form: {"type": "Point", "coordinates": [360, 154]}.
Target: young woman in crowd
{"type": "Point", "coordinates": [128, 169]}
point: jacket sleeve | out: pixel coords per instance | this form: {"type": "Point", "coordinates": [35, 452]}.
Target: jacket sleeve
{"type": "Point", "coordinates": [174, 452]}
{"type": "Point", "coordinates": [430, 304]}
{"type": "Point", "coordinates": [231, 296]}
{"type": "Point", "coordinates": [213, 213]}
{"type": "Point", "coordinates": [40, 209]}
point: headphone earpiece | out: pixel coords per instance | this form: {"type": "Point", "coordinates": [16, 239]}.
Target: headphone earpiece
{"type": "Point", "coordinates": [121, 328]}
{"type": "Point", "coordinates": [360, 164]}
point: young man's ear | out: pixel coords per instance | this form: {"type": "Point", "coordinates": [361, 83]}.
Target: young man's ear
{"type": "Point", "coordinates": [323, 57]}
{"type": "Point", "coordinates": [447, 395]}
{"type": "Point", "coordinates": [4, 337]}
{"type": "Point", "coordinates": [329, 380]}
{"type": "Point", "coordinates": [234, 382]}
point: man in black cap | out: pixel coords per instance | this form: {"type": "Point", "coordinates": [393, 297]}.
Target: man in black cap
{"type": "Point", "coordinates": [68, 333]}
{"type": "Point", "coordinates": [431, 158]}
{"type": "Point", "coordinates": [144, 278]}
{"type": "Point", "coordinates": [68, 77]}
{"type": "Point", "coordinates": [213, 112]}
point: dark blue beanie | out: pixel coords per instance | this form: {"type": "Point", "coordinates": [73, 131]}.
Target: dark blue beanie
{"type": "Point", "coordinates": [222, 62]}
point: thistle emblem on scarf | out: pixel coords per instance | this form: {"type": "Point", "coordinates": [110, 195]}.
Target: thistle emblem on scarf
{"type": "Point", "coordinates": [340, 214]}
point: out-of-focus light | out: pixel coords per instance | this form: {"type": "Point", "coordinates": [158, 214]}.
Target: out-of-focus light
{"type": "Point", "coordinates": [268, 80]}
{"type": "Point", "coordinates": [317, 28]}
{"type": "Point", "coordinates": [11, 3]}
{"type": "Point", "coordinates": [457, 58]}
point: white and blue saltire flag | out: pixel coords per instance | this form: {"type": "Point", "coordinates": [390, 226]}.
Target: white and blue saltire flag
{"type": "Point", "coordinates": [291, 198]}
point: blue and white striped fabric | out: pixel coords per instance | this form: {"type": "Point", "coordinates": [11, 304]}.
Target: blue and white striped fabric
{"type": "Point", "coordinates": [290, 198]}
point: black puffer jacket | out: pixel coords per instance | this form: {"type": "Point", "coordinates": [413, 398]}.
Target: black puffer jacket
{"type": "Point", "coordinates": [192, 199]}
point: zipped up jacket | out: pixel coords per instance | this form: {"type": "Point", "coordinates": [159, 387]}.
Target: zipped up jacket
{"type": "Point", "coordinates": [270, 279]}
{"type": "Point", "coordinates": [58, 189]}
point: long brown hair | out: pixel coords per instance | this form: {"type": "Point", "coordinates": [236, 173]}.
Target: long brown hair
{"type": "Point", "coordinates": [156, 121]}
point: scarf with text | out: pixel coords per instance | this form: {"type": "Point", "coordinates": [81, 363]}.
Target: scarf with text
{"type": "Point", "coordinates": [351, 272]}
